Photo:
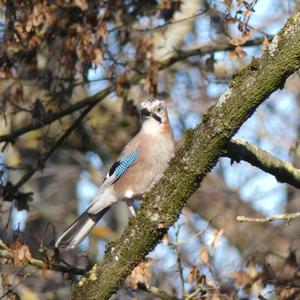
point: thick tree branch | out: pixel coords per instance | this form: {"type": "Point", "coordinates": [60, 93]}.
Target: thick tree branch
{"type": "Point", "coordinates": [238, 149]}
{"type": "Point", "coordinates": [179, 55]}
{"type": "Point", "coordinates": [200, 152]}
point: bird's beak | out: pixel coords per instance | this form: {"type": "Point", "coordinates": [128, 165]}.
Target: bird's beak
{"type": "Point", "coordinates": [145, 112]}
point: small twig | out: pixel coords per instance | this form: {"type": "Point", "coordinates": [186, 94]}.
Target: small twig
{"type": "Point", "coordinates": [200, 288]}
{"type": "Point", "coordinates": [156, 291]}
{"type": "Point", "coordinates": [176, 247]}
{"type": "Point", "coordinates": [288, 217]}
{"type": "Point", "coordinates": [199, 233]}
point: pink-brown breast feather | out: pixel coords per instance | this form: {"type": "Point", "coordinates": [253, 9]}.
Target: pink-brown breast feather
{"type": "Point", "coordinates": [151, 161]}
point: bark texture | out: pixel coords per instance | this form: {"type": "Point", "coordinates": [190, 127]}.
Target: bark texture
{"type": "Point", "coordinates": [200, 152]}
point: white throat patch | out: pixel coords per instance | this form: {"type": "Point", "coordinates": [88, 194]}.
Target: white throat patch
{"type": "Point", "coordinates": [151, 126]}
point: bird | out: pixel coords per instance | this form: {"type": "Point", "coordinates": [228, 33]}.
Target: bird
{"type": "Point", "coordinates": [140, 164]}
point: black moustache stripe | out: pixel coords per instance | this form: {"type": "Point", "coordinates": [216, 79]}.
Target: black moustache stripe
{"type": "Point", "coordinates": [156, 117]}
{"type": "Point", "coordinates": [146, 112]}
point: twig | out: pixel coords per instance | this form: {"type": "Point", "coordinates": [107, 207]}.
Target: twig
{"type": "Point", "coordinates": [238, 149]}
{"type": "Point", "coordinates": [289, 217]}
{"type": "Point", "coordinates": [58, 143]}
{"type": "Point", "coordinates": [203, 50]}
{"type": "Point", "coordinates": [156, 291]}
{"type": "Point", "coordinates": [176, 247]}
{"type": "Point", "coordinates": [6, 253]}
{"type": "Point", "coordinates": [199, 289]}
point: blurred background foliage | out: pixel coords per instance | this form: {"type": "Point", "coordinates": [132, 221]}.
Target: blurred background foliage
{"type": "Point", "coordinates": [72, 76]}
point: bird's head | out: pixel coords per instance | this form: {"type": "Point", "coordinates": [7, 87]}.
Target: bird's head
{"type": "Point", "coordinates": [154, 110]}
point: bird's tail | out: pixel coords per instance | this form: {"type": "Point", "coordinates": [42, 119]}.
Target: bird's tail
{"type": "Point", "coordinates": [79, 229]}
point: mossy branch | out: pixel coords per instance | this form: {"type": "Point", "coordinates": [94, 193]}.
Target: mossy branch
{"type": "Point", "coordinates": [238, 149]}
{"type": "Point", "coordinates": [200, 152]}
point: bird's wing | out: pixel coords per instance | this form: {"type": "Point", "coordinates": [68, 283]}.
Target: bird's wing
{"type": "Point", "coordinates": [104, 199]}
{"type": "Point", "coordinates": [119, 168]}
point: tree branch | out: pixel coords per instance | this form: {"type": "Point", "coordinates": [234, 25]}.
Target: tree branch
{"type": "Point", "coordinates": [203, 50]}
{"type": "Point", "coordinates": [6, 253]}
{"type": "Point", "coordinates": [199, 154]}
{"type": "Point", "coordinates": [155, 291]}
{"type": "Point", "coordinates": [57, 144]}
{"type": "Point", "coordinates": [94, 100]}
{"type": "Point", "coordinates": [289, 217]}
{"type": "Point", "coordinates": [52, 117]}
{"type": "Point", "coordinates": [238, 149]}
{"type": "Point", "coordinates": [11, 191]}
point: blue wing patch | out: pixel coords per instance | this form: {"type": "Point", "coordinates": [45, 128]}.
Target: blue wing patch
{"type": "Point", "coordinates": [121, 166]}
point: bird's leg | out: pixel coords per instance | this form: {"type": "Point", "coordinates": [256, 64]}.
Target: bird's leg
{"type": "Point", "coordinates": [131, 208]}
{"type": "Point", "coordinates": [132, 211]}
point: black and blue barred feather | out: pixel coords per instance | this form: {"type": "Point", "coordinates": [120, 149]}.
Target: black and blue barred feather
{"type": "Point", "coordinates": [121, 166]}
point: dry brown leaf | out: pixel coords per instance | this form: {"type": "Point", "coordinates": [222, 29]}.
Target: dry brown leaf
{"type": "Point", "coordinates": [82, 4]}
{"type": "Point", "coordinates": [233, 55]}
{"type": "Point", "coordinates": [194, 274]}
{"type": "Point", "coordinates": [240, 52]}
{"type": "Point", "coordinates": [34, 41]}
{"type": "Point", "coordinates": [231, 20]}
{"type": "Point", "coordinates": [29, 26]}
{"type": "Point", "coordinates": [234, 42]}
{"type": "Point", "coordinates": [102, 31]}
{"type": "Point", "coordinates": [98, 57]}
{"type": "Point", "coordinates": [228, 3]}
{"type": "Point", "coordinates": [5, 280]}
{"type": "Point", "coordinates": [21, 254]}
{"type": "Point", "coordinates": [204, 255]}
{"type": "Point", "coordinates": [266, 44]}
{"type": "Point", "coordinates": [165, 239]}
{"type": "Point", "coordinates": [252, 269]}
{"type": "Point", "coordinates": [142, 273]}
{"type": "Point", "coordinates": [217, 234]}
{"type": "Point", "coordinates": [241, 278]}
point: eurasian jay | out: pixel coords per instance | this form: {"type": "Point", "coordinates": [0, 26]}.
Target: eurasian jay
{"type": "Point", "coordinates": [140, 164]}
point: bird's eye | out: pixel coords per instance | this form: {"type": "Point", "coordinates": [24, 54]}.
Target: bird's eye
{"type": "Point", "coordinates": [159, 110]}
